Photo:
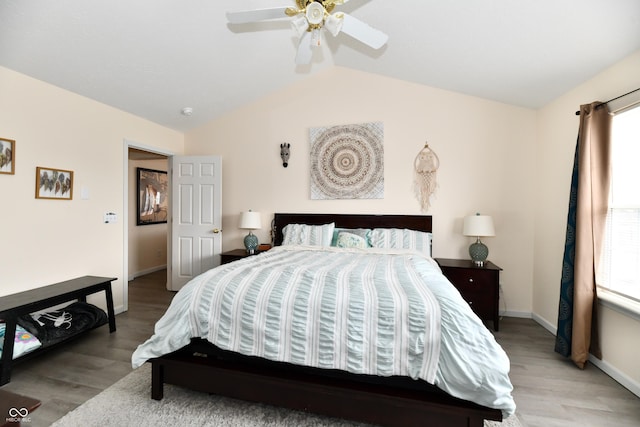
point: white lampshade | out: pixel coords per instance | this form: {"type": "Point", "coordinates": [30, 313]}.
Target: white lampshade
{"type": "Point", "coordinates": [479, 226]}
{"type": "Point", "coordinates": [250, 220]}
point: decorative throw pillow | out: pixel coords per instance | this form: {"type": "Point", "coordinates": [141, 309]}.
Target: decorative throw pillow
{"type": "Point", "coordinates": [362, 232]}
{"type": "Point", "coordinates": [309, 235]}
{"type": "Point", "coordinates": [397, 238]}
{"type": "Point", "coordinates": [350, 240]}
{"type": "Point", "coordinates": [24, 341]}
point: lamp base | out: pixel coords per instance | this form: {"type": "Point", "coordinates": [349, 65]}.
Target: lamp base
{"type": "Point", "coordinates": [479, 253]}
{"type": "Point", "coordinates": [251, 243]}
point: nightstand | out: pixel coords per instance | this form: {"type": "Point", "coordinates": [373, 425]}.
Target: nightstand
{"type": "Point", "coordinates": [234, 255]}
{"type": "Point", "coordinates": [479, 286]}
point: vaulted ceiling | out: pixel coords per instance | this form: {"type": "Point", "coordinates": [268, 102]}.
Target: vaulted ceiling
{"type": "Point", "coordinates": [154, 57]}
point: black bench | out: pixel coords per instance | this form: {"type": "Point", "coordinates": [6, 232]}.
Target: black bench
{"type": "Point", "coordinates": [15, 305]}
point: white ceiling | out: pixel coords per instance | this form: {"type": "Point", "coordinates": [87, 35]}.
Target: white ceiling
{"type": "Point", "coordinates": [154, 57]}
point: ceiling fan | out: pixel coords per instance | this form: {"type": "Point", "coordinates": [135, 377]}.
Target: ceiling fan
{"type": "Point", "coordinates": [309, 18]}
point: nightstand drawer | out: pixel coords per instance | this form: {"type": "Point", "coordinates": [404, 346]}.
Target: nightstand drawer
{"type": "Point", "coordinates": [234, 255]}
{"type": "Point", "coordinates": [481, 303]}
{"type": "Point", "coordinates": [471, 280]}
{"type": "Point", "coordinates": [479, 286]}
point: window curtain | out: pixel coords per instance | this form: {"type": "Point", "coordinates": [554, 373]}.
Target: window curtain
{"type": "Point", "coordinates": [577, 334]}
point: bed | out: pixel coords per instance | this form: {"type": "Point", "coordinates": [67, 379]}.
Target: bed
{"type": "Point", "coordinates": [440, 367]}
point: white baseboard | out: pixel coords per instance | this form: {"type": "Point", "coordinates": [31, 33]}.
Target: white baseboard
{"type": "Point", "coordinates": [622, 378]}
{"type": "Point", "coordinates": [146, 271]}
{"type": "Point", "coordinates": [519, 314]}
{"type": "Point", "coordinates": [613, 372]}
{"type": "Point", "coordinates": [545, 324]}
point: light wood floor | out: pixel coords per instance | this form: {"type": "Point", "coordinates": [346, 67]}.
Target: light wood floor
{"type": "Point", "coordinates": [548, 390]}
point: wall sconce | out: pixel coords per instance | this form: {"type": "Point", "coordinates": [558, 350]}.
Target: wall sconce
{"type": "Point", "coordinates": [478, 226]}
{"type": "Point", "coordinates": [250, 221]}
{"type": "Point", "coordinates": [285, 152]}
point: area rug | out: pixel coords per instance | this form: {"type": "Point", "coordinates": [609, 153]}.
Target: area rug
{"type": "Point", "coordinates": [128, 403]}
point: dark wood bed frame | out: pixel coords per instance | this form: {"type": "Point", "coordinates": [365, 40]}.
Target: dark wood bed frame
{"type": "Point", "coordinates": [392, 401]}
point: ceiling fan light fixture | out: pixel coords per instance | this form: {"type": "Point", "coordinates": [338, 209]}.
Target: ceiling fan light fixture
{"type": "Point", "coordinates": [309, 18]}
{"type": "Point", "coordinates": [315, 13]}
{"type": "Point", "coordinates": [299, 24]}
{"type": "Point", "coordinates": [334, 22]}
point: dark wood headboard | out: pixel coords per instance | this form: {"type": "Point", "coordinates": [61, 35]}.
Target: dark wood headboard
{"type": "Point", "coordinates": [413, 222]}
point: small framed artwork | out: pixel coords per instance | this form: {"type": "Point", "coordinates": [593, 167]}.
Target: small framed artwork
{"type": "Point", "coordinates": [54, 184]}
{"type": "Point", "coordinates": [7, 156]}
{"type": "Point", "coordinates": [153, 198]}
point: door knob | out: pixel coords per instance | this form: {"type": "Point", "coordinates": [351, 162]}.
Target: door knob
{"type": "Point", "coordinates": [216, 230]}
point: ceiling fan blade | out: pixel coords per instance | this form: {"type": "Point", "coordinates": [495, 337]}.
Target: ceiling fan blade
{"type": "Point", "coordinates": [305, 50]}
{"type": "Point", "coordinates": [245, 16]}
{"type": "Point", "coordinates": [363, 32]}
{"type": "Point", "coordinates": [334, 2]}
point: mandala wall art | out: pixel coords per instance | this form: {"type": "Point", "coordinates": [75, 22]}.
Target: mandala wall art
{"type": "Point", "coordinates": [347, 162]}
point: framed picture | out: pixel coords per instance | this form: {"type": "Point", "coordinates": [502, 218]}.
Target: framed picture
{"type": "Point", "coordinates": [153, 198]}
{"type": "Point", "coordinates": [54, 184]}
{"type": "Point", "coordinates": [7, 156]}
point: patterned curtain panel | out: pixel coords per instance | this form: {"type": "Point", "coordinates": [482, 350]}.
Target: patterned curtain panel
{"type": "Point", "coordinates": [588, 204]}
{"type": "Point", "coordinates": [565, 309]}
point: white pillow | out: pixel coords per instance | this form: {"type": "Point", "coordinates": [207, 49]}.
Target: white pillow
{"type": "Point", "coordinates": [398, 238]}
{"type": "Point", "coordinates": [309, 235]}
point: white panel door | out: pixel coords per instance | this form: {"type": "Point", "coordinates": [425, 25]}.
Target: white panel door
{"type": "Point", "coordinates": [195, 240]}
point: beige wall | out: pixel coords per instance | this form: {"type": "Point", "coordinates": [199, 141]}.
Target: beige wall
{"type": "Point", "coordinates": [486, 151]}
{"type": "Point", "coordinates": [509, 162]}
{"type": "Point", "coordinates": [46, 241]}
{"type": "Point", "coordinates": [147, 243]}
{"type": "Point", "coordinates": [557, 132]}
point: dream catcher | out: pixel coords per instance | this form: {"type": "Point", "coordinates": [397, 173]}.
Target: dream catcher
{"type": "Point", "coordinates": [424, 178]}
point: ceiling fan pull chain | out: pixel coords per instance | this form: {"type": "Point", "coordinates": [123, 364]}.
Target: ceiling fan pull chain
{"type": "Point", "coordinates": [315, 37]}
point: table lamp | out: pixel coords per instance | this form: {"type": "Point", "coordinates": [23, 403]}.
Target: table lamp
{"type": "Point", "coordinates": [250, 221]}
{"type": "Point", "coordinates": [478, 226]}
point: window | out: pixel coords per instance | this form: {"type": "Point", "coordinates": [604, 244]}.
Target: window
{"type": "Point", "coordinates": [620, 272]}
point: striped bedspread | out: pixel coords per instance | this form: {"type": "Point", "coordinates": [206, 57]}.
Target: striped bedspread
{"type": "Point", "coordinates": [366, 311]}
{"type": "Point", "coordinates": [362, 312]}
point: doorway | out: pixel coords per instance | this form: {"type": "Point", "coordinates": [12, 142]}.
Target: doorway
{"type": "Point", "coordinates": [145, 247]}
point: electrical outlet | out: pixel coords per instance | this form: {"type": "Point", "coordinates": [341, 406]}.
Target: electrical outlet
{"type": "Point", "coordinates": [110, 218]}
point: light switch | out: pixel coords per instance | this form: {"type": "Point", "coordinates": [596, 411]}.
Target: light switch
{"type": "Point", "coordinates": [110, 218]}
{"type": "Point", "coordinates": [84, 193]}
